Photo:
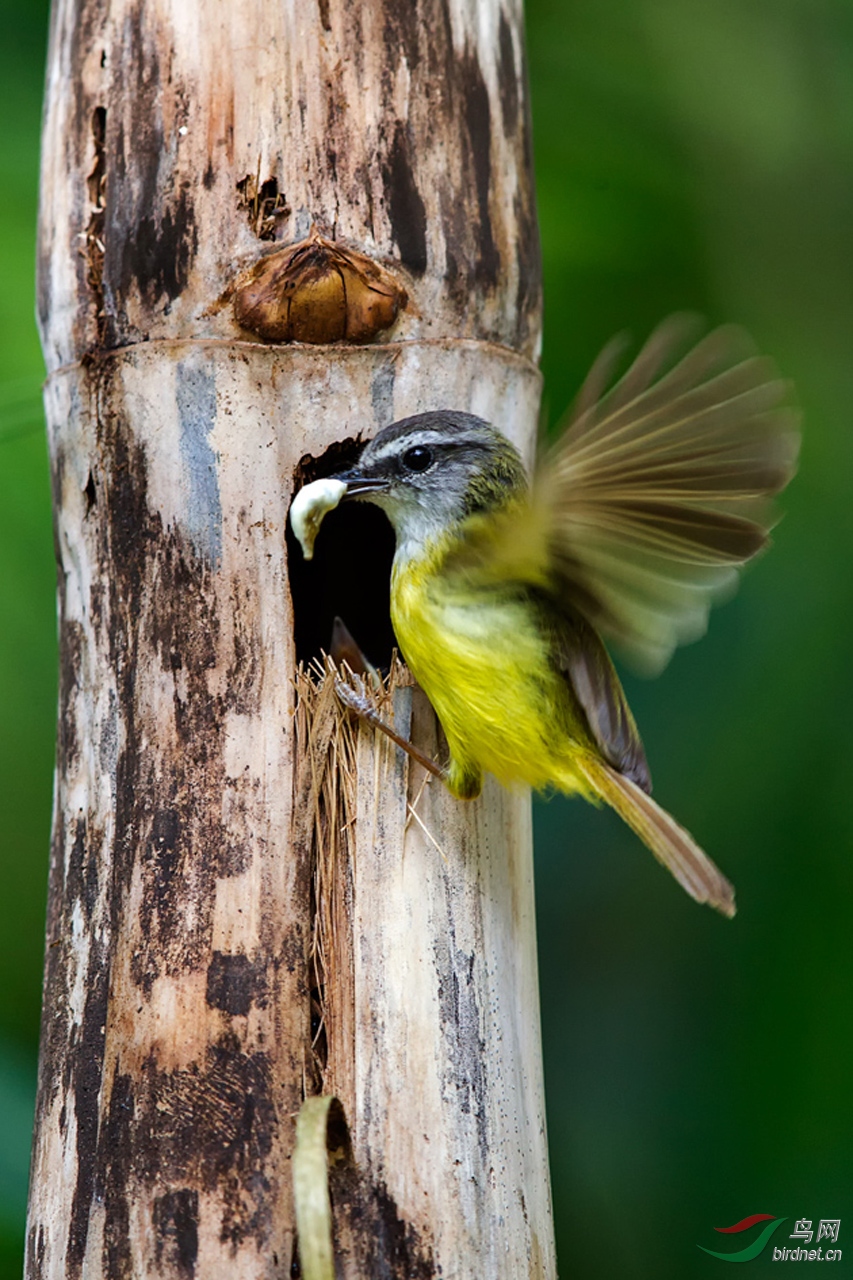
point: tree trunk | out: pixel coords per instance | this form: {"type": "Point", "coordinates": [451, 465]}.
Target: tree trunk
{"type": "Point", "coordinates": [243, 907]}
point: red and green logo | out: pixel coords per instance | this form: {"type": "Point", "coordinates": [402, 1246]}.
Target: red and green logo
{"type": "Point", "coordinates": [753, 1249]}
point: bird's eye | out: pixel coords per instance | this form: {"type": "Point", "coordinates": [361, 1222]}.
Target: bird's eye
{"type": "Point", "coordinates": [418, 458]}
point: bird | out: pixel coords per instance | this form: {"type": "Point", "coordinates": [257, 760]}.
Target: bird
{"type": "Point", "coordinates": [505, 589]}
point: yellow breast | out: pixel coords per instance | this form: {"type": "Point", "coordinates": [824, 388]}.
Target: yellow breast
{"type": "Point", "coordinates": [480, 657]}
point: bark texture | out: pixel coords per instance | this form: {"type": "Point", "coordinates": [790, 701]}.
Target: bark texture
{"type": "Point", "coordinates": [212, 955]}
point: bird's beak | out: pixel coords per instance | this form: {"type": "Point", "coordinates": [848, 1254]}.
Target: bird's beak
{"type": "Point", "coordinates": [358, 484]}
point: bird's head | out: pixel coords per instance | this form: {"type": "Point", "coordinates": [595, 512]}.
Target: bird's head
{"type": "Point", "coordinates": [431, 471]}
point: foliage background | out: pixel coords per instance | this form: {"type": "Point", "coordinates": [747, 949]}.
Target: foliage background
{"type": "Point", "coordinates": [690, 154]}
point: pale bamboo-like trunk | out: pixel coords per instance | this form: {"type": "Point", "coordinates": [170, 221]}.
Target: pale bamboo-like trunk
{"type": "Point", "coordinates": [202, 899]}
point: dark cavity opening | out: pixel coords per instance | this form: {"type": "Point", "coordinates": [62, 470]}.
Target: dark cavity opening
{"type": "Point", "coordinates": [265, 205]}
{"type": "Point", "coordinates": [350, 574]}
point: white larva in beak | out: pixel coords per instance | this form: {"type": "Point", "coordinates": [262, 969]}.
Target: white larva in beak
{"type": "Point", "coordinates": [308, 509]}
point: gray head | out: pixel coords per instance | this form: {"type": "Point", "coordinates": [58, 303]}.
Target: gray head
{"type": "Point", "coordinates": [431, 471]}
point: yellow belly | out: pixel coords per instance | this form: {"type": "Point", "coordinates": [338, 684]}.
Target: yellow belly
{"type": "Point", "coordinates": [481, 660]}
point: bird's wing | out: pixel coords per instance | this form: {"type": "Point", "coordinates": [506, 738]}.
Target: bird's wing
{"type": "Point", "coordinates": [581, 658]}
{"type": "Point", "coordinates": [659, 488]}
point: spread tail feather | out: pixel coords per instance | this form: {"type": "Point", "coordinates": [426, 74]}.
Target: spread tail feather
{"type": "Point", "coordinates": [670, 843]}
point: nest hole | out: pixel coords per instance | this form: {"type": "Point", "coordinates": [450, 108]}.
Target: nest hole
{"type": "Point", "coordinates": [350, 574]}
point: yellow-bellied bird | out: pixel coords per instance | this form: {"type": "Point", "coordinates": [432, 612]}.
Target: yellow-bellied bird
{"type": "Point", "coordinates": [642, 512]}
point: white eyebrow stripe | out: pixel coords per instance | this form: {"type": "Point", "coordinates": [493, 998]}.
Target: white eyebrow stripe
{"type": "Point", "coordinates": [427, 436]}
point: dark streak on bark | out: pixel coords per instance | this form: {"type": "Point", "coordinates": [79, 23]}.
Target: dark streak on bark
{"type": "Point", "coordinates": [88, 22]}
{"type": "Point", "coordinates": [478, 122]}
{"type": "Point", "coordinates": [370, 1234]}
{"type": "Point", "coordinates": [217, 1123]}
{"type": "Point", "coordinates": [529, 260]}
{"type": "Point", "coordinates": [528, 248]}
{"type": "Point", "coordinates": [176, 1229]}
{"type": "Point", "coordinates": [159, 254]}
{"type": "Point", "coordinates": [402, 31]}
{"type": "Point", "coordinates": [150, 232]}
{"type": "Point", "coordinates": [507, 78]}
{"type": "Point", "coordinates": [83, 866]}
{"type": "Point", "coordinates": [114, 1180]}
{"type": "Point", "coordinates": [244, 672]}
{"type": "Point", "coordinates": [462, 109]}
{"type": "Point", "coordinates": [406, 211]}
{"type": "Point", "coordinates": [211, 1126]}
{"type": "Point", "coordinates": [36, 1252]}
{"type": "Point", "coordinates": [71, 642]}
{"type": "Point", "coordinates": [460, 1019]}
{"type": "Point", "coordinates": [53, 1046]}
{"type": "Point", "coordinates": [234, 984]}
{"type": "Point", "coordinates": [87, 1069]}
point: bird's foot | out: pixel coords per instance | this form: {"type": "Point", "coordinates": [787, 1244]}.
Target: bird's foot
{"type": "Point", "coordinates": [365, 708]}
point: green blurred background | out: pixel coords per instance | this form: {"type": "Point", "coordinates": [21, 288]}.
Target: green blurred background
{"type": "Point", "coordinates": [689, 155]}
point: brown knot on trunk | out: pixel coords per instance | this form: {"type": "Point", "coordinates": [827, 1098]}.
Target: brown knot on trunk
{"type": "Point", "coordinates": [317, 291]}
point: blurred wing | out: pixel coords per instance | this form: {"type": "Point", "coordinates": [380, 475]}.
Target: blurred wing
{"type": "Point", "coordinates": [659, 489]}
{"type": "Point", "coordinates": [579, 655]}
